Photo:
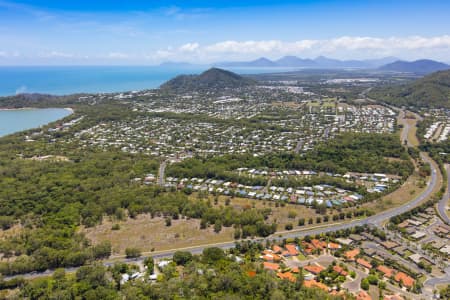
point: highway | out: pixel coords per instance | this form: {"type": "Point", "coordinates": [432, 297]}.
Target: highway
{"type": "Point", "coordinates": [443, 203]}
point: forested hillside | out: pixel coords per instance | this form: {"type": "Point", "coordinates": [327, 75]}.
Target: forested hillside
{"type": "Point", "coordinates": [213, 78]}
{"type": "Point", "coordinates": [432, 91]}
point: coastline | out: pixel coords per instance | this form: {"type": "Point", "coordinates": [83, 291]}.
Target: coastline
{"type": "Point", "coordinates": [69, 109]}
{"type": "Point", "coordinates": [19, 108]}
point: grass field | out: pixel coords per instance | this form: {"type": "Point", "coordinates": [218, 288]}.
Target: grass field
{"type": "Point", "coordinates": [412, 132]}
{"type": "Point", "coordinates": [407, 191]}
{"type": "Point", "coordinates": [411, 121]}
{"type": "Point", "coordinates": [13, 231]}
{"type": "Point", "coordinates": [146, 234]}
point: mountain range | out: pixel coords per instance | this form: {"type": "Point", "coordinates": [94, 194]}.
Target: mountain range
{"type": "Point", "coordinates": [423, 66]}
{"type": "Point", "coordinates": [321, 62]}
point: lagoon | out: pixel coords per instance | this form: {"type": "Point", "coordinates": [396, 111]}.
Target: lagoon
{"type": "Point", "coordinates": [16, 120]}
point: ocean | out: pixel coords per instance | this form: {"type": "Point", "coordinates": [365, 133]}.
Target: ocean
{"type": "Point", "coordinates": [21, 119]}
{"type": "Point", "coordinates": [66, 80]}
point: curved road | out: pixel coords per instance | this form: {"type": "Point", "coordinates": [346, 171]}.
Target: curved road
{"type": "Point", "coordinates": [432, 282]}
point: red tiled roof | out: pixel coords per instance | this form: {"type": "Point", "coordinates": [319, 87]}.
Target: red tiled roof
{"type": "Point", "coordinates": [364, 263]}
{"type": "Point", "coordinates": [407, 280]}
{"type": "Point", "coordinates": [314, 269]}
{"type": "Point", "coordinates": [388, 272]}
{"type": "Point", "coordinates": [350, 255]}
{"type": "Point", "coordinates": [277, 249]}
{"type": "Point", "coordinates": [362, 295]}
{"type": "Point", "coordinates": [291, 249]}
{"type": "Point", "coordinates": [313, 283]}
{"type": "Point", "coordinates": [271, 266]}
{"type": "Point", "coordinates": [318, 244]}
{"type": "Point", "coordinates": [333, 246]}
{"type": "Point", "coordinates": [340, 270]}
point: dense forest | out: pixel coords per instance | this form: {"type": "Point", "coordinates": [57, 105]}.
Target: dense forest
{"type": "Point", "coordinates": [50, 200]}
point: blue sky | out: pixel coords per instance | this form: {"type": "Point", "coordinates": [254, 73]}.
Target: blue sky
{"type": "Point", "coordinates": [149, 32]}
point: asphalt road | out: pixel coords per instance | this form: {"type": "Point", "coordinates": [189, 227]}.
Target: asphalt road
{"type": "Point", "coordinates": [439, 280]}
{"type": "Point", "coordinates": [443, 203]}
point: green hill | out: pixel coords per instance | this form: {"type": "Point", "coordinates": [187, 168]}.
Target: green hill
{"type": "Point", "coordinates": [432, 91]}
{"type": "Point", "coordinates": [213, 78]}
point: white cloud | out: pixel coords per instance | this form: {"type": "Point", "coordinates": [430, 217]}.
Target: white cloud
{"type": "Point", "coordinates": [344, 47]}
{"type": "Point", "coordinates": [57, 54]}
{"type": "Point", "coordinates": [118, 55]}
{"type": "Point", "coordinates": [341, 47]}
{"type": "Point", "coordinates": [255, 47]}
{"type": "Point", "coordinates": [189, 47]}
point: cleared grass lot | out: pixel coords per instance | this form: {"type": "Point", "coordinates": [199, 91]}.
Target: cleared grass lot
{"type": "Point", "coordinates": [146, 234]}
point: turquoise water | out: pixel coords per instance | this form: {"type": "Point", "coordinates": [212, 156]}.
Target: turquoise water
{"type": "Point", "coordinates": [17, 120]}
{"type": "Point", "coordinates": [95, 79]}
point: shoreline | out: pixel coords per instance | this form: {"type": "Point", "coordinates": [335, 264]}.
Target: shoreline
{"type": "Point", "coordinates": [69, 109]}
{"type": "Point", "coordinates": [19, 108]}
